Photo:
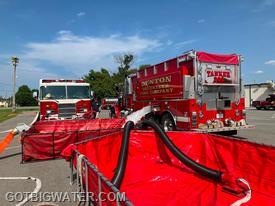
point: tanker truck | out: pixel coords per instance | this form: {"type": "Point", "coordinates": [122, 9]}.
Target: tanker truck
{"type": "Point", "coordinates": [195, 91]}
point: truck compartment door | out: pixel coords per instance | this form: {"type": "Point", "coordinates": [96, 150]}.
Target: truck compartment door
{"type": "Point", "coordinates": [189, 87]}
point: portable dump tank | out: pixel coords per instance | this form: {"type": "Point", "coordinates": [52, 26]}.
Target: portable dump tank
{"type": "Point", "coordinates": [154, 176]}
{"type": "Point", "coordinates": [46, 139]}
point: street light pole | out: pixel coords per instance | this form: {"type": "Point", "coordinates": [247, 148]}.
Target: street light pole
{"type": "Point", "coordinates": [14, 61]}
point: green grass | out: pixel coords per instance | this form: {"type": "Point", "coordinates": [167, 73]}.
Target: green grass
{"type": "Point", "coordinates": [8, 114]}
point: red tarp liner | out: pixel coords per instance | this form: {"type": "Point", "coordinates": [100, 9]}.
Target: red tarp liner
{"type": "Point", "coordinates": [155, 177]}
{"type": "Point", "coordinates": [46, 139]}
{"type": "Point", "coordinates": [218, 58]}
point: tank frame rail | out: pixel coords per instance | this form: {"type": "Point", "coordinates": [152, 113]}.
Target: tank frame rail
{"type": "Point", "coordinates": [84, 188]}
{"type": "Point", "coordinates": [52, 152]}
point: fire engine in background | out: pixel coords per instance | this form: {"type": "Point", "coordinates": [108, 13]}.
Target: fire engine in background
{"type": "Point", "coordinates": [108, 102]}
{"type": "Point", "coordinates": [64, 99]}
{"type": "Point", "coordinates": [111, 104]}
{"type": "Point", "coordinates": [195, 91]}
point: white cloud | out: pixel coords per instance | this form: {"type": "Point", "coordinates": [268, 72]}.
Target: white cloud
{"type": "Point", "coordinates": [80, 14]}
{"type": "Point", "coordinates": [184, 43]}
{"type": "Point", "coordinates": [270, 62]}
{"type": "Point", "coordinates": [81, 53]}
{"type": "Point", "coordinates": [70, 56]}
{"type": "Point", "coordinates": [259, 72]}
{"type": "Point", "coordinates": [201, 21]}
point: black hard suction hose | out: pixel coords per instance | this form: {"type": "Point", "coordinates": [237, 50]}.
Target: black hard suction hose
{"type": "Point", "coordinates": [201, 169]}
{"type": "Point", "coordinates": [123, 155]}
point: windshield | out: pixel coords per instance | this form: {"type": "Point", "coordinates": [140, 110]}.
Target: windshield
{"type": "Point", "coordinates": [78, 92]}
{"type": "Point", "coordinates": [53, 92]}
{"type": "Point", "coordinates": [59, 92]}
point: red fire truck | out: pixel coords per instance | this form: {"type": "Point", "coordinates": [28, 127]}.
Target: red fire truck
{"type": "Point", "coordinates": [195, 91]}
{"type": "Point", "coordinates": [64, 99]}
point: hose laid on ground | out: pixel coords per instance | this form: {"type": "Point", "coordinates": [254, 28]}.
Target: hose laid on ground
{"type": "Point", "coordinates": [7, 140]}
{"type": "Point", "coordinates": [123, 155]}
{"type": "Point", "coordinates": [11, 134]}
{"type": "Point", "coordinates": [201, 169]}
{"type": "Point", "coordinates": [35, 191]}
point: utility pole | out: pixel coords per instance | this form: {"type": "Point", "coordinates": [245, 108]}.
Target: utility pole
{"type": "Point", "coordinates": [14, 61]}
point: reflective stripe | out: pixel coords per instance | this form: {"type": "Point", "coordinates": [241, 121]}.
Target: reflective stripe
{"type": "Point", "coordinates": [182, 119]}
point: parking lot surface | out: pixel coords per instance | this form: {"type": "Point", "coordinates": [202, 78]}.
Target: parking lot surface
{"type": "Point", "coordinates": [264, 132]}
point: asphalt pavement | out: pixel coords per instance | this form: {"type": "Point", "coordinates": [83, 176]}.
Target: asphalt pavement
{"type": "Point", "coordinates": [264, 132]}
{"type": "Point", "coordinates": [54, 174]}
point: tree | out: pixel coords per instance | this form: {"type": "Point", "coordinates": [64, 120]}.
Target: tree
{"type": "Point", "coordinates": [125, 62]}
{"type": "Point", "coordinates": [101, 83]}
{"type": "Point", "coordinates": [24, 96]}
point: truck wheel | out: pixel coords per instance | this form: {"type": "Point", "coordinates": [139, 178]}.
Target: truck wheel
{"type": "Point", "coordinates": [168, 123]}
{"type": "Point", "coordinates": [258, 108]}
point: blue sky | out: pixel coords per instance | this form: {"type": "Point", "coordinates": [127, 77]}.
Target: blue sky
{"type": "Point", "coordinates": [65, 39]}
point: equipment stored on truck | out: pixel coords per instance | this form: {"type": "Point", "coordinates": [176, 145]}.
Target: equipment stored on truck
{"type": "Point", "coordinates": [195, 91]}
{"type": "Point", "coordinates": [64, 99]}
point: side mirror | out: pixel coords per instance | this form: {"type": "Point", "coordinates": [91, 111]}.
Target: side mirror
{"type": "Point", "coordinates": [92, 93]}
{"type": "Point", "coordinates": [35, 94]}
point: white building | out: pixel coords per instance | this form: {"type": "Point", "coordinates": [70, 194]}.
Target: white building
{"type": "Point", "coordinates": [4, 103]}
{"type": "Point", "coordinates": [258, 92]}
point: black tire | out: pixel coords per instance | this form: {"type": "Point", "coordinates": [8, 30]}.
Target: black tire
{"type": "Point", "coordinates": [167, 122]}
{"type": "Point", "coordinates": [258, 108]}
